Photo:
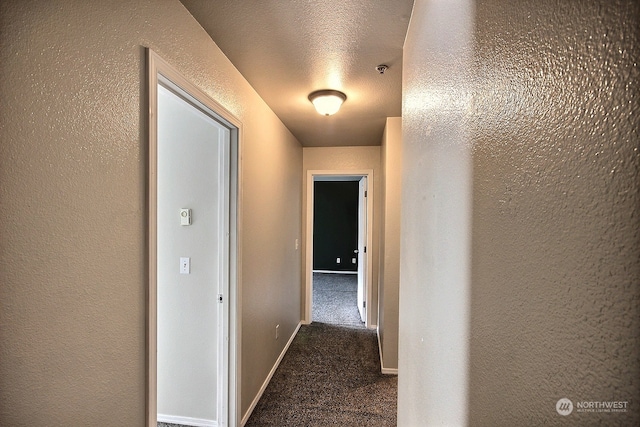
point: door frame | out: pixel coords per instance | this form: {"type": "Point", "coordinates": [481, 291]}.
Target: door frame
{"type": "Point", "coordinates": [311, 175]}
{"type": "Point", "coordinates": [228, 407]}
{"type": "Point", "coordinates": [363, 188]}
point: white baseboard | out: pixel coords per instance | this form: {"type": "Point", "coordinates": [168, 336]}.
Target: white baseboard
{"type": "Point", "coordinates": [335, 272]}
{"type": "Point", "coordinates": [383, 370]}
{"type": "Point", "coordinates": [186, 421]}
{"type": "Point", "coordinates": [246, 416]}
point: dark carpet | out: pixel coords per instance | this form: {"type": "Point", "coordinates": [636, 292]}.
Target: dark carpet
{"type": "Point", "coordinates": [330, 375]}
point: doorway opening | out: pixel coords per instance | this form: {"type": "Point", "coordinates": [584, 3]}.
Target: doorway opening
{"type": "Point", "coordinates": [193, 193]}
{"type": "Point", "coordinates": [339, 260]}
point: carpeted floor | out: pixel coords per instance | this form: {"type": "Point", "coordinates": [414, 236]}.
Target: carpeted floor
{"type": "Point", "coordinates": [335, 299]}
{"type": "Point", "coordinates": [330, 375]}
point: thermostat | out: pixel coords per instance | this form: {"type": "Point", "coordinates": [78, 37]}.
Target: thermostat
{"type": "Point", "coordinates": [185, 216]}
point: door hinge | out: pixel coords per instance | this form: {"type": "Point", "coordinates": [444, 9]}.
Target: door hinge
{"type": "Point", "coordinates": [220, 298]}
{"type": "Point", "coordinates": [365, 249]}
{"type": "Point", "coordinates": [364, 304]}
{"type": "Point", "coordinates": [365, 193]}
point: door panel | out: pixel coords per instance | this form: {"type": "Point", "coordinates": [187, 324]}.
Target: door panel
{"type": "Point", "coordinates": [193, 174]}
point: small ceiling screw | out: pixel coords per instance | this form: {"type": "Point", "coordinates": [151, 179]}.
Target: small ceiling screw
{"type": "Point", "coordinates": [382, 68]}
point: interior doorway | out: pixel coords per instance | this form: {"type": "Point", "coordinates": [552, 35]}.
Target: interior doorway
{"type": "Point", "coordinates": [357, 259]}
{"type": "Point", "coordinates": [335, 252]}
{"type": "Point", "coordinates": [193, 170]}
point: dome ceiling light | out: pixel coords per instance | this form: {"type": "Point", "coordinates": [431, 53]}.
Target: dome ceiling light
{"type": "Point", "coordinates": [327, 101]}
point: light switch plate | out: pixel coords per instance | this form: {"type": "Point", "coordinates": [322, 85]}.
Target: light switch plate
{"type": "Point", "coordinates": [185, 265]}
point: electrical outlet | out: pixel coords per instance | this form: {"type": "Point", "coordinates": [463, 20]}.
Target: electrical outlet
{"type": "Point", "coordinates": [277, 331]}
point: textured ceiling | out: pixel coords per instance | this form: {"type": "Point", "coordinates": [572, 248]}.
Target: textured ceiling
{"type": "Point", "coordinates": [286, 49]}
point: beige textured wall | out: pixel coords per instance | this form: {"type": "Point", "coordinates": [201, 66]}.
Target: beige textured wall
{"type": "Point", "coordinates": [345, 159]}
{"type": "Point", "coordinates": [435, 217]}
{"type": "Point", "coordinates": [388, 285]}
{"type": "Point", "coordinates": [545, 102]}
{"type": "Point", "coordinates": [73, 174]}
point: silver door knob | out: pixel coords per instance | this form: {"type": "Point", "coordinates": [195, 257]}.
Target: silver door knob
{"type": "Point", "coordinates": [355, 251]}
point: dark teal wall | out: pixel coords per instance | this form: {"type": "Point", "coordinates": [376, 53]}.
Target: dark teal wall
{"type": "Point", "coordinates": [335, 231]}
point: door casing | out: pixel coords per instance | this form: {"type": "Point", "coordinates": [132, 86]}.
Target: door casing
{"type": "Point", "coordinates": [363, 221]}
{"type": "Point", "coordinates": [346, 175]}
{"type": "Point", "coordinates": [228, 407]}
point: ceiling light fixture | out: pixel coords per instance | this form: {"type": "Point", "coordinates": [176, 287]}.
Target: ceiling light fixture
{"type": "Point", "coordinates": [327, 102]}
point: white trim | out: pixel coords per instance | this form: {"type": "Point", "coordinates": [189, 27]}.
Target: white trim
{"type": "Point", "coordinates": [335, 272]}
{"type": "Point", "coordinates": [325, 174]}
{"type": "Point", "coordinates": [186, 421]}
{"type": "Point", "coordinates": [268, 379]}
{"type": "Point", "coordinates": [383, 370]}
{"type": "Point", "coordinates": [229, 406]}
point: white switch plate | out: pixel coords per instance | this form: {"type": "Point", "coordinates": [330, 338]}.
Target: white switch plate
{"type": "Point", "coordinates": [185, 265]}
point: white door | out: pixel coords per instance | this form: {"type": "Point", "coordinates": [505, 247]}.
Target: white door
{"type": "Point", "coordinates": [362, 248]}
{"type": "Point", "coordinates": [193, 261]}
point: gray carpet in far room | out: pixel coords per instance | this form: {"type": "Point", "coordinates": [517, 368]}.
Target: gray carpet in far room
{"type": "Point", "coordinates": [335, 299]}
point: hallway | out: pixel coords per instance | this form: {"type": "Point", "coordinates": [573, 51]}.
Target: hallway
{"type": "Point", "coordinates": [504, 151]}
{"type": "Point", "coordinates": [331, 373]}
